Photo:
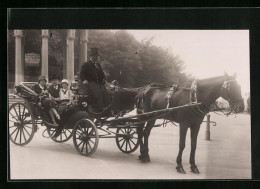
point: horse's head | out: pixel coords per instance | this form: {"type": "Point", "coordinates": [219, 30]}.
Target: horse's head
{"type": "Point", "coordinates": [231, 91]}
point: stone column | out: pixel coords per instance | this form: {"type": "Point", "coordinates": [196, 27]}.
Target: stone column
{"type": "Point", "coordinates": [83, 47]}
{"type": "Point", "coordinates": [19, 66]}
{"type": "Point", "coordinates": [44, 55]}
{"type": "Point", "coordinates": [70, 55]}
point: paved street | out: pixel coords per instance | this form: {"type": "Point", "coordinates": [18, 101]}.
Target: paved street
{"type": "Point", "coordinates": [226, 156]}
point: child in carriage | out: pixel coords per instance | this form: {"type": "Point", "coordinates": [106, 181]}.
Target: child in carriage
{"type": "Point", "coordinates": [66, 96]}
{"type": "Point", "coordinates": [46, 99]}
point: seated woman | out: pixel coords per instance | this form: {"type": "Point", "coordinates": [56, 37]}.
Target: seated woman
{"type": "Point", "coordinates": [46, 99]}
{"type": "Point", "coordinates": [66, 96]}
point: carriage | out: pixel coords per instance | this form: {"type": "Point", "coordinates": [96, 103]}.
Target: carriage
{"type": "Point", "coordinates": [187, 105]}
{"type": "Point", "coordinates": [77, 122]}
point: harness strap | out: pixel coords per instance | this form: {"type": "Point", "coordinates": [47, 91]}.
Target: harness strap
{"type": "Point", "coordinates": [170, 93]}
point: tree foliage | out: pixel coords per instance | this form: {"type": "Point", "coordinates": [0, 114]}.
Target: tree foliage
{"type": "Point", "coordinates": [130, 62]}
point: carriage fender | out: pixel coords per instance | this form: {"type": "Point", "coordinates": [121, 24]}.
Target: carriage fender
{"type": "Point", "coordinates": [76, 116]}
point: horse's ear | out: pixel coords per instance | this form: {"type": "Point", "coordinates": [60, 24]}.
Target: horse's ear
{"type": "Point", "coordinates": [226, 75]}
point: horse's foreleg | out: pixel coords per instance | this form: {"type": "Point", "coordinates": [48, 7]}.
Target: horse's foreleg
{"type": "Point", "coordinates": [182, 139]}
{"type": "Point", "coordinates": [147, 131]}
{"type": "Point", "coordinates": [140, 134]}
{"type": "Point", "coordinates": [194, 135]}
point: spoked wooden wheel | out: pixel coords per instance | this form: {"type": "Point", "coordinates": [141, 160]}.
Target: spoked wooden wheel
{"type": "Point", "coordinates": [85, 137]}
{"type": "Point", "coordinates": [65, 135]}
{"type": "Point", "coordinates": [21, 124]}
{"type": "Point", "coordinates": [127, 139]}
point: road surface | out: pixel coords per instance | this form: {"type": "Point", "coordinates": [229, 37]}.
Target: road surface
{"type": "Point", "coordinates": [226, 156]}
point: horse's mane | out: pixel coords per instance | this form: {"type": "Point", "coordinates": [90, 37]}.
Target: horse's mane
{"type": "Point", "coordinates": [211, 79]}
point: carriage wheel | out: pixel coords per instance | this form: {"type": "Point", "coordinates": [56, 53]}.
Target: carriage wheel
{"type": "Point", "coordinates": [21, 124]}
{"type": "Point", "coordinates": [127, 139]}
{"type": "Point", "coordinates": [85, 137]}
{"type": "Point", "coordinates": [65, 135]}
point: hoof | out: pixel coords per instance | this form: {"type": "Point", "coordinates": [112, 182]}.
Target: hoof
{"type": "Point", "coordinates": [194, 169]}
{"type": "Point", "coordinates": [144, 158]}
{"type": "Point", "coordinates": [180, 169]}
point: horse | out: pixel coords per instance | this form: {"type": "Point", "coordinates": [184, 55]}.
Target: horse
{"type": "Point", "coordinates": [206, 92]}
{"type": "Point", "coordinates": [115, 100]}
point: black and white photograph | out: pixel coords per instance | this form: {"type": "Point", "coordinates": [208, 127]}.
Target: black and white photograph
{"type": "Point", "coordinates": [129, 104]}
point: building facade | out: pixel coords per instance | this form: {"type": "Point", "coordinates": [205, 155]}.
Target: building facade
{"type": "Point", "coordinates": [28, 63]}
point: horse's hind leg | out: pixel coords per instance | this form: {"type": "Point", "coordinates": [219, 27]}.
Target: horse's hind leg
{"type": "Point", "coordinates": [140, 133]}
{"type": "Point", "coordinates": [194, 135]}
{"type": "Point", "coordinates": [147, 131]}
{"type": "Point", "coordinates": [182, 139]}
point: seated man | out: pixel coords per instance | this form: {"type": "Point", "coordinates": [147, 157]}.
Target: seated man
{"type": "Point", "coordinates": [55, 87]}
{"type": "Point", "coordinates": [46, 99]}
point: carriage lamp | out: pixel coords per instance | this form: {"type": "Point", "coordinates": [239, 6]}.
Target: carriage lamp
{"type": "Point", "coordinates": [84, 104]}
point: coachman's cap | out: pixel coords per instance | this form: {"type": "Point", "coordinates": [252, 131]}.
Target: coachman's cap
{"type": "Point", "coordinates": [94, 52]}
{"type": "Point", "coordinates": [42, 78]}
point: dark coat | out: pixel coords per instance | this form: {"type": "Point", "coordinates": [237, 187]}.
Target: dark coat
{"type": "Point", "coordinates": [54, 92]}
{"type": "Point", "coordinates": [46, 102]}
{"type": "Point", "coordinates": [92, 73]}
{"type": "Point", "coordinates": [36, 88]}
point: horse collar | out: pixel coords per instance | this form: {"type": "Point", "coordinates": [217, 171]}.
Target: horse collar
{"type": "Point", "coordinates": [193, 92]}
{"type": "Point", "coordinates": [193, 96]}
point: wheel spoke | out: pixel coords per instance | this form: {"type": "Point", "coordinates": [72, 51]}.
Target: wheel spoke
{"type": "Point", "coordinates": [122, 131]}
{"type": "Point", "coordinates": [129, 145]}
{"type": "Point", "coordinates": [87, 130]}
{"type": "Point", "coordinates": [16, 134]}
{"type": "Point", "coordinates": [13, 131]}
{"type": "Point", "coordinates": [23, 113]}
{"type": "Point", "coordinates": [79, 143]}
{"type": "Point", "coordinates": [89, 145]}
{"type": "Point", "coordinates": [13, 116]}
{"type": "Point", "coordinates": [26, 131]}
{"type": "Point", "coordinates": [91, 141]}
{"type": "Point", "coordinates": [121, 139]}
{"type": "Point", "coordinates": [85, 127]}
{"type": "Point", "coordinates": [16, 113]}
{"type": "Point", "coordinates": [91, 132]}
{"type": "Point", "coordinates": [65, 133]}
{"type": "Point", "coordinates": [122, 144]}
{"type": "Point", "coordinates": [20, 133]}
{"type": "Point", "coordinates": [126, 144]}
{"type": "Point", "coordinates": [133, 142]}
{"type": "Point", "coordinates": [81, 129]}
{"type": "Point", "coordinates": [19, 111]}
{"type": "Point", "coordinates": [53, 131]}
{"type": "Point", "coordinates": [24, 135]}
{"type": "Point", "coordinates": [28, 127]}
{"type": "Point", "coordinates": [12, 121]}
{"type": "Point", "coordinates": [82, 148]}
{"type": "Point", "coordinates": [78, 132]}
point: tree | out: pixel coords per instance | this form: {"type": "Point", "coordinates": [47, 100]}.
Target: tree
{"type": "Point", "coordinates": [130, 62]}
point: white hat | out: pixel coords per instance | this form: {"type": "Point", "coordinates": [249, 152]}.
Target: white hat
{"type": "Point", "coordinates": [65, 81]}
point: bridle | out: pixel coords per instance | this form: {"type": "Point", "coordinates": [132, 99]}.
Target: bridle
{"type": "Point", "coordinates": [225, 90]}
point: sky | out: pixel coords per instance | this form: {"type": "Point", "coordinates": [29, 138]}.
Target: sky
{"type": "Point", "coordinates": [206, 53]}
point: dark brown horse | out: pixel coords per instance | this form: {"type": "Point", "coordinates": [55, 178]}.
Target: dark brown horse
{"type": "Point", "coordinates": [206, 92]}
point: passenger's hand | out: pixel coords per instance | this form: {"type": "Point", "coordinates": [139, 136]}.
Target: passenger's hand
{"type": "Point", "coordinates": [85, 82]}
